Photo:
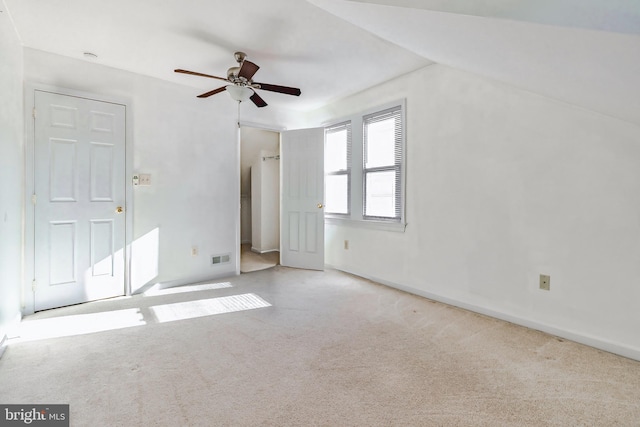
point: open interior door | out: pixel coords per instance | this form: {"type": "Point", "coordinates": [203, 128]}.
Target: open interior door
{"type": "Point", "coordinates": [302, 189]}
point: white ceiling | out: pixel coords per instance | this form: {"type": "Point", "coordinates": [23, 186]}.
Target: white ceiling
{"type": "Point", "coordinates": [294, 42]}
{"type": "Point", "coordinates": [586, 52]}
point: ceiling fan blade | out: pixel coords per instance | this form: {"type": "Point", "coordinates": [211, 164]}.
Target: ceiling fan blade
{"type": "Point", "coordinates": [193, 73]}
{"type": "Point", "coordinates": [280, 89]}
{"type": "Point", "coordinates": [247, 69]}
{"type": "Point", "coordinates": [213, 92]}
{"type": "Point", "coordinates": [257, 100]}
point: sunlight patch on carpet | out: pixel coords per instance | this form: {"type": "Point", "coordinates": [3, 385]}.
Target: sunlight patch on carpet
{"type": "Point", "coordinates": [190, 288]}
{"type": "Point", "coordinates": [79, 324]}
{"type": "Point", "coordinates": [207, 307]}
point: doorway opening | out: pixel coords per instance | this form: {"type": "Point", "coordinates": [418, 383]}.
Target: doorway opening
{"type": "Point", "coordinates": [259, 199]}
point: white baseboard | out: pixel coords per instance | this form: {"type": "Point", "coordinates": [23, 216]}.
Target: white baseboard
{"type": "Point", "coordinates": [7, 331]}
{"type": "Point", "coordinates": [260, 251]}
{"type": "Point", "coordinates": [3, 344]}
{"type": "Point", "coordinates": [193, 280]}
{"type": "Point", "coordinates": [596, 342]}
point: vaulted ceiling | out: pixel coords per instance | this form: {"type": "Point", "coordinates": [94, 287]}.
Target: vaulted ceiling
{"type": "Point", "coordinates": [585, 52]}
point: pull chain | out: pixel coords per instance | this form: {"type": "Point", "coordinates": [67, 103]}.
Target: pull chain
{"type": "Point", "coordinates": [238, 114]}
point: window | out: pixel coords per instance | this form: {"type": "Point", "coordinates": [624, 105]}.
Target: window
{"type": "Point", "coordinates": [364, 169]}
{"type": "Point", "coordinates": [382, 165]}
{"type": "Point", "coordinates": [337, 163]}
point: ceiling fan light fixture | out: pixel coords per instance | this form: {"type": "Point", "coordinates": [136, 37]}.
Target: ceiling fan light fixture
{"type": "Point", "coordinates": [239, 93]}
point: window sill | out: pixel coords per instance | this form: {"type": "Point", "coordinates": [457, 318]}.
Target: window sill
{"type": "Point", "coordinates": [398, 227]}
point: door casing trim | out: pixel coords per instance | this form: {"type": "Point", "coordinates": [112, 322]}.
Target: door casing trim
{"type": "Point", "coordinates": [28, 223]}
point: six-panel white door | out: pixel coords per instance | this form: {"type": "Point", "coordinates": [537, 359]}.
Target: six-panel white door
{"type": "Point", "coordinates": [80, 200]}
{"type": "Point", "coordinates": [302, 210]}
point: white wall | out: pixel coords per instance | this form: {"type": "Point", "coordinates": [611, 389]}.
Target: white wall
{"type": "Point", "coordinates": [190, 148]}
{"type": "Point", "coordinates": [504, 185]}
{"type": "Point", "coordinates": [11, 173]}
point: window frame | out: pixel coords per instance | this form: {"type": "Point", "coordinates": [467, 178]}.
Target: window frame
{"type": "Point", "coordinates": [337, 127]}
{"type": "Point", "coordinates": [397, 166]}
{"type": "Point", "coordinates": [356, 218]}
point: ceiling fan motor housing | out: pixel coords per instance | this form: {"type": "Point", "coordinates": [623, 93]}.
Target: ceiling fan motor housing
{"type": "Point", "coordinates": [232, 73]}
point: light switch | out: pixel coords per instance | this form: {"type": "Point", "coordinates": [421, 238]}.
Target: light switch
{"type": "Point", "coordinates": [145, 179]}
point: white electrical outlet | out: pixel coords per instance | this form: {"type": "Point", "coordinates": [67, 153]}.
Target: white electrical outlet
{"type": "Point", "coordinates": [346, 244]}
{"type": "Point", "coordinates": [545, 282]}
{"type": "Point", "coordinates": [194, 251]}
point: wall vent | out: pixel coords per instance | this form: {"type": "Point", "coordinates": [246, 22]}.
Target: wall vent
{"type": "Point", "coordinates": [220, 259]}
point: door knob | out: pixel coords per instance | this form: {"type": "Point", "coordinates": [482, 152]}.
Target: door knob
{"type": "Point", "coordinates": [119, 209]}
{"type": "Point", "coordinates": [320, 206]}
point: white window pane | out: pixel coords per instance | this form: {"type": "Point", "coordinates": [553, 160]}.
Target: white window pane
{"type": "Point", "coordinates": [380, 199]}
{"type": "Point", "coordinates": [337, 194]}
{"type": "Point", "coordinates": [380, 144]}
{"type": "Point", "coordinates": [335, 153]}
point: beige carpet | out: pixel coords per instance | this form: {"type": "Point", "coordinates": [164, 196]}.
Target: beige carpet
{"type": "Point", "coordinates": [252, 261]}
{"type": "Point", "coordinates": [284, 347]}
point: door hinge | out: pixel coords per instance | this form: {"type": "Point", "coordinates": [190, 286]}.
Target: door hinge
{"type": "Point", "coordinates": [34, 284]}
{"type": "Point", "coordinates": [34, 199]}
{"type": "Point", "coordinates": [33, 113]}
